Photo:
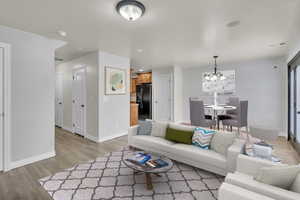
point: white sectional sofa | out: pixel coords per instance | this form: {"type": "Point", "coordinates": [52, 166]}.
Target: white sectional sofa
{"type": "Point", "coordinates": [247, 168]}
{"type": "Point", "coordinates": [233, 192]}
{"type": "Point", "coordinates": [189, 154]}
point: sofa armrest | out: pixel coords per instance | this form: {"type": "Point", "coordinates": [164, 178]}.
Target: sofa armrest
{"type": "Point", "coordinates": [232, 192]}
{"type": "Point", "coordinates": [250, 165]}
{"type": "Point", "coordinates": [132, 131]}
{"type": "Point", "coordinates": [233, 152]}
{"type": "Point", "coordinates": [247, 182]}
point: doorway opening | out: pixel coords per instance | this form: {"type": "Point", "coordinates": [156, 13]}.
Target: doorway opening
{"type": "Point", "coordinates": [140, 97]}
{"type": "Point", "coordinates": [79, 100]}
{"type": "Point", "coordinates": [294, 102]}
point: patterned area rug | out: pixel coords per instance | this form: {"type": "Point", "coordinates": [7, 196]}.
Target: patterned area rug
{"type": "Point", "coordinates": [108, 178]}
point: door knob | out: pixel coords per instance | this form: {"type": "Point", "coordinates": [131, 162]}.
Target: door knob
{"type": "Point", "coordinates": [60, 103]}
{"type": "Point", "coordinates": [82, 106]}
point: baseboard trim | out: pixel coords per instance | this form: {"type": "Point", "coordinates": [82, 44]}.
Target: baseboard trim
{"type": "Point", "coordinates": [112, 137]}
{"type": "Point", "coordinates": [282, 134]}
{"type": "Point", "coordinates": [91, 137]}
{"type": "Point", "coordinates": [32, 159]}
{"type": "Point", "coordinates": [67, 129]}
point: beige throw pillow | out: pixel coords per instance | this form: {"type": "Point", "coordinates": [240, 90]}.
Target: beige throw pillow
{"type": "Point", "coordinates": [279, 176]}
{"type": "Point", "coordinates": [296, 184]}
{"type": "Point", "coordinates": [221, 141]}
{"type": "Point", "coordinates": [181, 127]}
{"type": "Point", "coordinates": [159, 129]}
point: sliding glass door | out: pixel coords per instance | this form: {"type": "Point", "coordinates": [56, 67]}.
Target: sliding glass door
{"type": "Point", "coordinates": [294, 102]}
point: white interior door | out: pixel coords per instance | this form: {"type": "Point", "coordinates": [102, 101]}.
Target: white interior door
{"type": "Point", "coordinates": [1, 107]}
{"type": "Point", "coordinates": [79, 101]}
{"type": "Point", "coordinates": [162, 98]}
{"type": "Point", "coordinates": [59, 100]}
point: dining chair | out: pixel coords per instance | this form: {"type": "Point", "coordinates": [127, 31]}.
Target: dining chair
{"type": "Point", "coordinates": [230, 114]}
{"type": "Point", "coordinates": [241, 119]}
{"type": "Point", "coordinates": [197, 115]}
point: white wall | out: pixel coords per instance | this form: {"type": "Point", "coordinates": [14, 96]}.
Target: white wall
{"type": "Point", "coordinates": [256, 81]}
{"type": "Point", "coordinates": [294, 41]}
{"type": "Point", "coordinates": [178, 93]}
{"type": "Point", "coordinates": [32, 95]}
{"type": "Point", "coordinates": [114, 110]}
{"type": "Point", "coordinates": [90, 61]}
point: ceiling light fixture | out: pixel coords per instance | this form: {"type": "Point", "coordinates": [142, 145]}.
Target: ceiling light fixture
{"type": "Point", "coordinates": [130, 9]}
{"type": "Point", "coordinates": [140, 50]}
{"type": "Point", "coordinates": [62, 33]}
{"type": "Point", "coordinates": [215, 75]}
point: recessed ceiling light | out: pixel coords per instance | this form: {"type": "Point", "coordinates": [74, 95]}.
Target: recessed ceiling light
{"type": "Point", "coordinates": [233, 23]}
{"type": "Point", "coordinates": [62, 33]}
{"type": "Point", "coordinates": [130, 9]}
{"type": "Point", "coordinates": [282, 43]}
{"type": "Point", "coordinates": [140, 50]}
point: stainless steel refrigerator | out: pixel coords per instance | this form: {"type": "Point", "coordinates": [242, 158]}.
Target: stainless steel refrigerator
{"type": "Point", "coordinates": [144, 99]}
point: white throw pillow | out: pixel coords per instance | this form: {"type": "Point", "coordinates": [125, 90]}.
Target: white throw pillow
{"type": "Point", "coordinates": [296, 184]}
{"type": "Point", "coordinates": [159, 129]}
{"type": "Point", "coordinates": [221, 141]}
{"type": "Point", "coordinates": [181, 127]}
{"type": "Point", "coordinates": [279, 176]}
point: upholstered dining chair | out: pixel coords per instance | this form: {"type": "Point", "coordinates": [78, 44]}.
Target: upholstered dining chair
{"type": "Point", "coordinates": [197, 115]}
{"type": "Point", "coordinates": [241, 119]}
{"type": "Point", "coordinates": [230, 114]}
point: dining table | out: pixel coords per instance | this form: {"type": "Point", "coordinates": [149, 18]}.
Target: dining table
{"type": "Point", "coordinates": [218, 109]}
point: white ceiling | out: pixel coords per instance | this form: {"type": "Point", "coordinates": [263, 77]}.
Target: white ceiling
{"type": "Point", "coordinates": [172, 32]}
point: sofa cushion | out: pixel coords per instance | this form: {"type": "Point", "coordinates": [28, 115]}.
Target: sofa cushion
{"type": "Point", "coordinates": [296, 184]}
{"type": "Point", "coordinates": [145, 128]}
{"type": "Point", "coordinates": [151, 142]}
{"type": "Point", "coordinates": [202, 137]}
{"type": "Point", "coordinates": [199, 155]}
{"type": "Point", "coordinates": [179, 136]}
{"type": "Point", "coordinates": [159, 129]}
{"type": "Point", "coordinates": [221, 141]}
{"type": "Point", "coordinates": [279, 176]}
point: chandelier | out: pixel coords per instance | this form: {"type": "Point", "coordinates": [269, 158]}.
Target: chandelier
{"type": "Point", "coordinates": [215, 75]}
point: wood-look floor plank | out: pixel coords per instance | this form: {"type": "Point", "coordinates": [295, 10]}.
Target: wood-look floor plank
{"type": "Point", "coordinates": [22, 183]}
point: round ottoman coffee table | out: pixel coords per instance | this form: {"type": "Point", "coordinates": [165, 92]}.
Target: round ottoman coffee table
{"type": "Point", "coordinates": [147, 171]}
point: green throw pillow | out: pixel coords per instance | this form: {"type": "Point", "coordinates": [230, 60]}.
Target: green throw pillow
{"type": "Point", "coordinates": [179, 136]}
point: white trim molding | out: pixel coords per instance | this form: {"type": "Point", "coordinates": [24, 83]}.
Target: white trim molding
{"type": "Point", "coordinates": [32, 159]}
{"type": "Point", "coordinates": [67, 129]}
{"type": "Point", "coordinates": [112, 137]}
{"type": "Point", "coordinates": [7, 106]}
{"type": "Point", "coordinates": [91, 137]}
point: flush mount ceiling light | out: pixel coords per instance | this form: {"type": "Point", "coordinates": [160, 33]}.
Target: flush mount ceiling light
{"type": "Point", "coordinates": [62, 33]}
{"type": "Point", "coordinates": [130, 9]}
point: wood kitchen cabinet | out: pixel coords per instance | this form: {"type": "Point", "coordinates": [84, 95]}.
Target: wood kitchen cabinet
{"type": "Point", "coordinates": [133, 85]}
{"type": "Point", "coordinates": [134, 114]}
{"type": "Point", "coordinates": [144, 78]}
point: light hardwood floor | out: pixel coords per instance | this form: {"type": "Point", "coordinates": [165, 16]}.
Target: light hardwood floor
{"type": "Point", "coordinates": [22, 183]}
